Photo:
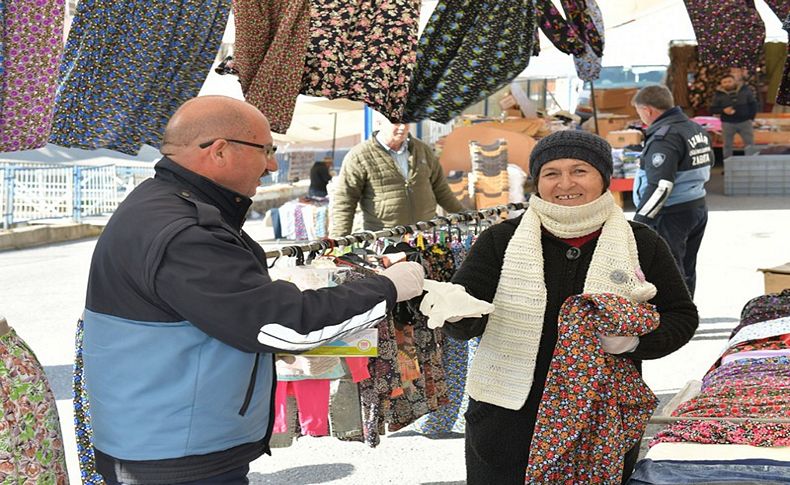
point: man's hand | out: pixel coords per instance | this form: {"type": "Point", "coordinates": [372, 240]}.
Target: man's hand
{"type": "Point", "coordinates": [729, 110]}
{"type": "Point", "coordinates": [408, 278]}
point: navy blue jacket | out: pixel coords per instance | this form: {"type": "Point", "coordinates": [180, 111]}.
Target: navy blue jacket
{"type": "Point", "coordinates": [673, 168]}
{"type": "Point", "coordinates": [181, 323]}
{"type": "Point", "coordinates": [742, 100]}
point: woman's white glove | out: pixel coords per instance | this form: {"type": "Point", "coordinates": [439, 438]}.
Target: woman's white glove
{"type": "Point", "coordinates": [618, 344]}
{"type": "Point", "coordinates": [408, 278]}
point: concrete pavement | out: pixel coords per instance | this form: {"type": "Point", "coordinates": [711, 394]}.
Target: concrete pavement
{"type": "Point", "coordinates": [42, 293]}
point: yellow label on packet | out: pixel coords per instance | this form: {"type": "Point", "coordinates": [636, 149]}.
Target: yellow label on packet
{"type": "Point", "coordinates": [363, 343]}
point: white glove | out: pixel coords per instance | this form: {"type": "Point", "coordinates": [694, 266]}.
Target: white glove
{"type": "Point", "coordinates": [618, 344]}
{"type": "Point", "coordinates": [408, 278]}
{"type": "Point", "coordinates": [448, 302]}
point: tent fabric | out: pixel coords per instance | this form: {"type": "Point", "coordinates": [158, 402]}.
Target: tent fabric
{"type": "Point", "coordinates": [30, 49]}
{"type": "Point", "coordinates": [469, 49]}
{"type": "Point", "coordinates": [127, 66]}
{"type": "Point", "coordinates": [271, 44]}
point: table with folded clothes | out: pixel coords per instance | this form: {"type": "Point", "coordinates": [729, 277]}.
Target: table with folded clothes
{"type": "Point", "coordinates": [736, 428]}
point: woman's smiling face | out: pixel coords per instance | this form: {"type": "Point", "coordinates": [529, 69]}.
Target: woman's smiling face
{"type": "Point", "coordinates": [569, 182]}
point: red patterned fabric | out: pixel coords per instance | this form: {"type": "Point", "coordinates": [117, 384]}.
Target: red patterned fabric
{"type": "Point", "coordinates": [271, 44]}
{"type": "Point", "coordinates": [595, 406]}
{"type": "Point", "coordinates": [748, 388]}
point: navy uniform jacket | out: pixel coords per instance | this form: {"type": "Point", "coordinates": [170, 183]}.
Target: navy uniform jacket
{"type": "Point", "coordinates": [673, 167]}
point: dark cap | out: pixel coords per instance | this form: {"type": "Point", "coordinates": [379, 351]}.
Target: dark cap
{"type": "Point", "coordinates": [577, 144]}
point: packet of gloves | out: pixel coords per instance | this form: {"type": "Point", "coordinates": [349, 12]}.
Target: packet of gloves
{"type": "Point", "coordinates": [450, 302]}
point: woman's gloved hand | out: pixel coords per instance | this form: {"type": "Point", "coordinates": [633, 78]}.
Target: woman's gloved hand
{"type": "Point", "coordinates": [408, 278]}
{"type": "Point", "coordinates": [618, 344]}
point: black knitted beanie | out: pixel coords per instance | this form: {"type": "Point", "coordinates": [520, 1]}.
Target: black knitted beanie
{"type": "Point", "coordinates": [577, 144]}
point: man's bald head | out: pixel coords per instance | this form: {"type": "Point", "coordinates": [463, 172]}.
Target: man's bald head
{"type": "Point", "coordinates": [238, 132]}
{"type": "Point", "coordinates": [207, 117]}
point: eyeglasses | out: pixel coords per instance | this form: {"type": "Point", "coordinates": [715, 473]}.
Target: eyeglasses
{"type": "Point", "coordinates": [269, 149]}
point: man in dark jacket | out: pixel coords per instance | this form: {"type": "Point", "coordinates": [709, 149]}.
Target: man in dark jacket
{"type": "Point", "coordinates": [736, 104]}
{"type": "Point", "coordinates": [320, 177]}
{"type": "Point", "coordinates": [182, 319]}
{"type": "Point", "coordinates": [669, 190]}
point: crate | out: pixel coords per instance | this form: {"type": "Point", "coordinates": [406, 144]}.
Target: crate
{"type": "Point", "coordinates": [757, 175]}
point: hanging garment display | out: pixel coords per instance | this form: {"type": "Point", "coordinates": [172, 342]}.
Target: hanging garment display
{"type": "Point", "coordinates": [362, 50]}
{"type": "Point", "coordinates": [31, 36]}
{"type": "Point", "coordinates": [31, 446]}
{"type": "Point", "coordinates": [554, 26]}
{"type": "Point", "coordinates": [775, 56]}
{"type": "Point", "coordinates": [783, 97]}
{"type": "Point", "coordinates": [128, 66]}
{"type": "Point", "coordinates": [780, 7]}
{"type": "Point", "coordinates": [616, 403]}
{"type": "Point", "coordinates": [581, 15]}
{"type": "Point", "coordinates": [468, 50]}
{"type": "Point", "coordinates": [729, 33]}
{"type": "Point", "coordinates": [588, 65]}
{"type": "Point", "coordinates": [271, 44]}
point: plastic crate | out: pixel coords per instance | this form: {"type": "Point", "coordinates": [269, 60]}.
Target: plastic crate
{"type": "Point", "coordinates": [757, 175]}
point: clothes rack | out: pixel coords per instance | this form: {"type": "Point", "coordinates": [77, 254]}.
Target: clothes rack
{"type": "Point", "coordinates": [448, 220]}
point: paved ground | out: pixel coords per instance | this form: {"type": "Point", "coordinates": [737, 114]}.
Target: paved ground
{"type": "Point", "coordinates": [42, 293]}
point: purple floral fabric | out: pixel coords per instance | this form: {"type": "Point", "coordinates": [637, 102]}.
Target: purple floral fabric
{"type": "Point", "coordinates": [588, 65]}
{"type": "Point", "coordinates": [729, 32]}
{"type": "Point", "coordinates": [31, 44]}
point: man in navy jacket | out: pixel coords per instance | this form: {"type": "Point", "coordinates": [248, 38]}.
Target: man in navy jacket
{"type": "Point", "coordinates": [735, 102]}
{"type": "Point", "coordinates": [182, 320]}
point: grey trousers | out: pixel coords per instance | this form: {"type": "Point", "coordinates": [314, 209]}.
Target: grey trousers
{"type": "Point", "coordinates": [728, 131]}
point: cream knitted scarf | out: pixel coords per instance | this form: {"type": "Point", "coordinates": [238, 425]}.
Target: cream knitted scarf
{"type": "Point", "coordinates": [503, 368]}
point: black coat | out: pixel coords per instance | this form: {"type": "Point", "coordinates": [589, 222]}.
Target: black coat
{"type": "Point", "coordinates": [501, 436]}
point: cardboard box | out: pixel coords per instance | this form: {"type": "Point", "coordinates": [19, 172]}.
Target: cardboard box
{"type": "Point", "coordinates": [607, 123]}
{"type": "Point", "coordinates": [508, 101]}
{"type": "Point", "coordinates": [513, 113]}
{"type": "Point", "coordinates": [606, 99]}
{"type": "Point", "coordinates": [624, 138]}
{"type": "Point", "coordinates": [777, 278]}
{"type": "Point", "coordinates": [762, 137]}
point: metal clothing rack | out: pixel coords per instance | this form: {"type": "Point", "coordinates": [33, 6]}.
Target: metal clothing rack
{"type": "Point", "coordinates": [448, 220]}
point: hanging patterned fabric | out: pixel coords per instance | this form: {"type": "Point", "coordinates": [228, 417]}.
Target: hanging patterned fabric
{"type": "Point", "coordinates": [612, 404]}
{"type": "Point", "coordinates": [581, 17]}
{"type": "Point", "coordinates": [468, 50]}
{"type": "Point", "coordinates": [557, 29]}
{"type": "Point", "coordinates": [783, 97]}
{"type": "Point", "coordinates": [271, 44]}
{"type": "Point", "coordinates": [588, 65]}
{"type": "Point", "coordinates": [31, 446]}
{"type": "Point", "coordinates": [128, 66]}
{"type": "Point", "coordinates": [83, 430]}
{"type": "Point", "coordinates": [780, 7]}
{"type": "Point", "coordinates": [363, 50]}
{"type": "Point", "coordinates": [31, 36]}
{"type": "Point", "coordinates": [729, 33]}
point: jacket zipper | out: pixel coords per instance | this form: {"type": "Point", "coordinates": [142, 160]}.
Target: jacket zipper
{"type": "Point", "coordinates": [250, 387]}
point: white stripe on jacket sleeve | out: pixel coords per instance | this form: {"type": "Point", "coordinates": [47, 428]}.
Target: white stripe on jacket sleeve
{"type": "Point", "coordinates": [277, 336]}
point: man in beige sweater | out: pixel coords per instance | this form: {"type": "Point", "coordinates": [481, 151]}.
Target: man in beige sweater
{"type": "Point", "coordinates": [395, 178]}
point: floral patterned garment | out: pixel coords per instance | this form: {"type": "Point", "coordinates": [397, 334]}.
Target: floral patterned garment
{"type": "Point", "coordinates": [783, 96]}
{"type": "Point", "coordinates": [271, 44]}
{"type": "Point", "coordinates": [468, 50]}
{"type": "Point", "coordinates": [580, 14]}
{"type": "Point", "coordinates": [31, 446]}
{"type": "Point", "coordinates": [588, 65]}
{"type": "Point", "coordinates": [729, 32]}
{"type": "Point", "coordinates": [31, 36]}
{"type": "Point", "coordinates": [748, 388]}
{"type": "Point", "coordinates": [83, 430]}
{"type": "Point", "coordinates": [557, 29]}
{"type": "Point", "coordinates": [129, 65]}
{"type": "Point", "coordinates": [362, 50]}
{"type": "Point", "coordinates": [595, 406]}
{"type": "Point", "coordinates": [763, 308]}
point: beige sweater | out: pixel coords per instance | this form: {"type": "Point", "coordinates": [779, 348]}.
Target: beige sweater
{"type": "Point", "coordinates": [370, 178]}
